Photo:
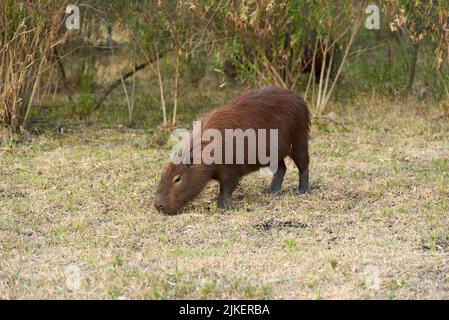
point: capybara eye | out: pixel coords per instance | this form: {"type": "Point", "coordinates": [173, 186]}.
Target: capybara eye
{"type": "Point", "coordinates": [177, 179]}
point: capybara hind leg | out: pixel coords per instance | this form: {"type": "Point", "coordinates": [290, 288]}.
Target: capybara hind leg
{"type": "Point", "coordinates": [227, 186]}
{"type": "Point", "coordinates": [300, 155]}
{"type": "Point", "coordinates": [278, 177]}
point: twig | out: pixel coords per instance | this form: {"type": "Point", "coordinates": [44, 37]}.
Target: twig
{"type": "Point", "coordinates": [356, 54]}
{"type": "Point", "coordinates": [122, 81]}
{"type": "Point", "coordinates": [107, 91]}
{"type": "Point", "coordinates": [161, 88]}
{"type": "Point", "coordinates": [312, 70]}
{"type": "Point", "coordinates": [343, 61]}
{"type": "Point", "coordinates": [176, 89]}
{"type": "Point", "coordinates": [62, 73]}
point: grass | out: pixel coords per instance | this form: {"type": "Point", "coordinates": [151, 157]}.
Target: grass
{"type": "Point", "coordinates": [374, 226]}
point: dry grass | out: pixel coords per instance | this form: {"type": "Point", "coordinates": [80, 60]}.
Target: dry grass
{"type": "Point", "coordinates": [376, 224]}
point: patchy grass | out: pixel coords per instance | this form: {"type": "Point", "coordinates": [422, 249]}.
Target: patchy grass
{"type": "Point", "coordinates": [376, 224]}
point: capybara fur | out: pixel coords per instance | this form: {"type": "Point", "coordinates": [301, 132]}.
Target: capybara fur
{"type": "Point", "coordinates": [268, 108]}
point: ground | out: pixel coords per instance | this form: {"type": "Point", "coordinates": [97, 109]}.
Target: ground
{"type": "Point", "coordinates": [76, 219]}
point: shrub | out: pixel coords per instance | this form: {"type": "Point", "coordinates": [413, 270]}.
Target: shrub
{"type": "Point", "coordinates": [29, 32]}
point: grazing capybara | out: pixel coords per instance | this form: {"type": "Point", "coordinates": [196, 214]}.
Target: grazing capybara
{"type": "Point", "coordinates": [269, 108]}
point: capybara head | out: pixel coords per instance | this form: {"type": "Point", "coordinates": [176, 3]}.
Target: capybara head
{"type": "Point", "coordinates": [180, 183]}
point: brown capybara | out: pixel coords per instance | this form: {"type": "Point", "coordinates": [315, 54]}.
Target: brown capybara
{"type": "Point", "coordinates": [268, 108]}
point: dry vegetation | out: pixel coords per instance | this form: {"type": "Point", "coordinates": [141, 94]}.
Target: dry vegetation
{"type": "Point", "coordinates": [28, 37]}
{"type": "Point", "coordinates": [375, 225]}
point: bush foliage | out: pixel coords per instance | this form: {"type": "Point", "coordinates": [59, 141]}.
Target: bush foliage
{"type": "Point", "coordinates": [311, 47]}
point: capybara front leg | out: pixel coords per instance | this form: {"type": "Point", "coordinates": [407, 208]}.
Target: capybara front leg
{"type": "Point", "coordinates": [227, 186]}
{"type": "Point", "coordinates": [278, 178]}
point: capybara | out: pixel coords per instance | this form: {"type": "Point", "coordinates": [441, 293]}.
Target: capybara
{"type": "Point", "coordinates": [267, 108]}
